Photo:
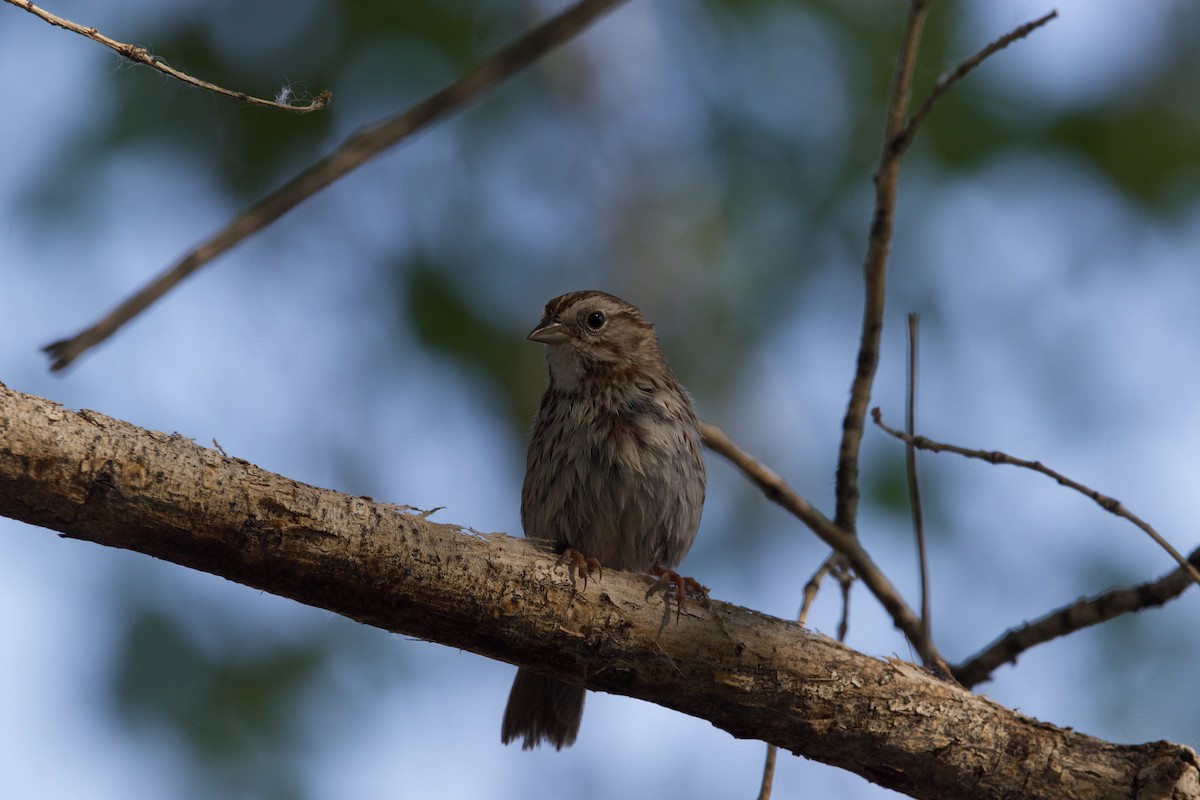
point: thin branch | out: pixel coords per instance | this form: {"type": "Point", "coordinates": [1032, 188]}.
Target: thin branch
{"type": "Point", "coordinates": [1078, 615]}
{"type": "Point", "coordinates": [141, 55]}
{"type": "Point", "coordinates": [898, 135]}
{"type": "Point", "coordinates": [914, 487]}
{"type": "Point", "coordinates": [875, 270]}
{"type": "Point", "coordinates": [353, 153]}
{"type": "Point", "coordinates": [778, 491]}
{"type": "Point", "coordinates": [961, 71]}
{"type": "Point", "coordinates": [845, 579]}
{"type": "Point", "coordinates": [810, 594]}
{"type": "Point", "coordinates": [768, 778]}
{"type": "Point", "coordinates": [814, 586]}
{"type": "Point", "coordinates": [1109, 504]}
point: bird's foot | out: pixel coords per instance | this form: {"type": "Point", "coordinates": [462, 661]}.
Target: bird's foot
{"type": "Point", "coordinates": [671, 583]}
{"type": "Point", "coordinates": [577, 562]}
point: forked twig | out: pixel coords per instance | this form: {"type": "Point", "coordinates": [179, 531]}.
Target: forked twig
{"type": "Point", "coordinates": [141, 55]}
{"type": "Point", "coordinates": [875, 270]}
{"type": "Point", "coordinates": [961, 71]}
{"type": "Point", "coordinates": [898, 134]}
{"type": "Point", "coordinates": [353, 153]}
{"type": "Point", "coordinates": [1078, 615]}
{"type": "Point", "coordinates": [846, 544]}
{"type": "Point", "coordinates": [1109, 504]}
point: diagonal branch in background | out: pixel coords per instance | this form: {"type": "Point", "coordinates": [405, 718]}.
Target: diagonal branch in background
{"type": "Point", "coordinates": [141, 55]}
{"type": "Point", "coordinates": [961, 71]}
{"type": "Point", "coordinates": [353, 153]}
{"type": "Point", "coordinates": [1109, 504]}
{"type": "Point", "coordinates": [778, 491]}
{"type": "Point", "coordinates": [1078, 615]}
{"type": "Point", "coordinates": [898, 134]}
{"type": "Point", "coordinates": [102, 480]}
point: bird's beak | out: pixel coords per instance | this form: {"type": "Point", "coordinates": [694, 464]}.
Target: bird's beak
{"type": "Point", "coordinates": [549, 332]}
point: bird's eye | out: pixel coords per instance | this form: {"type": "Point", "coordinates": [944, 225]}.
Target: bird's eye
{"type": "Point", "coordinates": [595, 320]}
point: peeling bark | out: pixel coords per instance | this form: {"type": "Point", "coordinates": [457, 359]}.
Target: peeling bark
{"type": "Point", "coordinates": [98, 479]}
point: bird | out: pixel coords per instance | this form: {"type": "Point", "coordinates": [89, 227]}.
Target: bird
{"type": "Point", "coordinates": [614, 474]}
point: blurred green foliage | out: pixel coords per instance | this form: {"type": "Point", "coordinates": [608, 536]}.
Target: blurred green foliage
{"type": "Point", "coordinates": [718, 232]}
{"type": "Point", "coordinates": [445, 321]}
{"type": "Point", "coordinates": [235, 714]}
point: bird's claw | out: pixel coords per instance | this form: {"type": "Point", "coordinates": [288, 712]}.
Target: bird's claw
{"type": "Point", "coordinates": [671, 582]}
{"type": "Point", "coordinates": [577, 562]}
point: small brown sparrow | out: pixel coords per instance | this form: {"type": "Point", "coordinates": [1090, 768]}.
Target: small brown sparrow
{"type": "Point", "coordinates": [614, 472]}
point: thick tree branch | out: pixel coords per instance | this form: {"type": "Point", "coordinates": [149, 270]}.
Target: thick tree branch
{"type": "Point", "coordinates": [102, 480]}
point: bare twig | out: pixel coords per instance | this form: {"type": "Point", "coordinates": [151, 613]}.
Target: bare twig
{"type": "Point", "coordinates": [777, 490]}
{"type": "Point", "coordinates": [768, 778]}
{"type": "Point", "coordinates": [898, 134]}
{"type": "Point", "coordinates": [1078, 615]}
{"type": "Point", "coordinates": [810, 594]}
{"type": "Point", "coordinates": [961, 71]}
{"type": "Point", "coordinates": [845, 579]}
{"type": "Point", "coordinates": [141, 55]}
{"type": "Point", "coordinates": [875, 270]}
{"type": "Point", "coordinates": [814, 585]}
{"type": "Point", "coordinates": [914, 487]}
{"type": "Point", "coordinates": [352, 153]}
{"type": "Point", "coordinates": [1109, 504]}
